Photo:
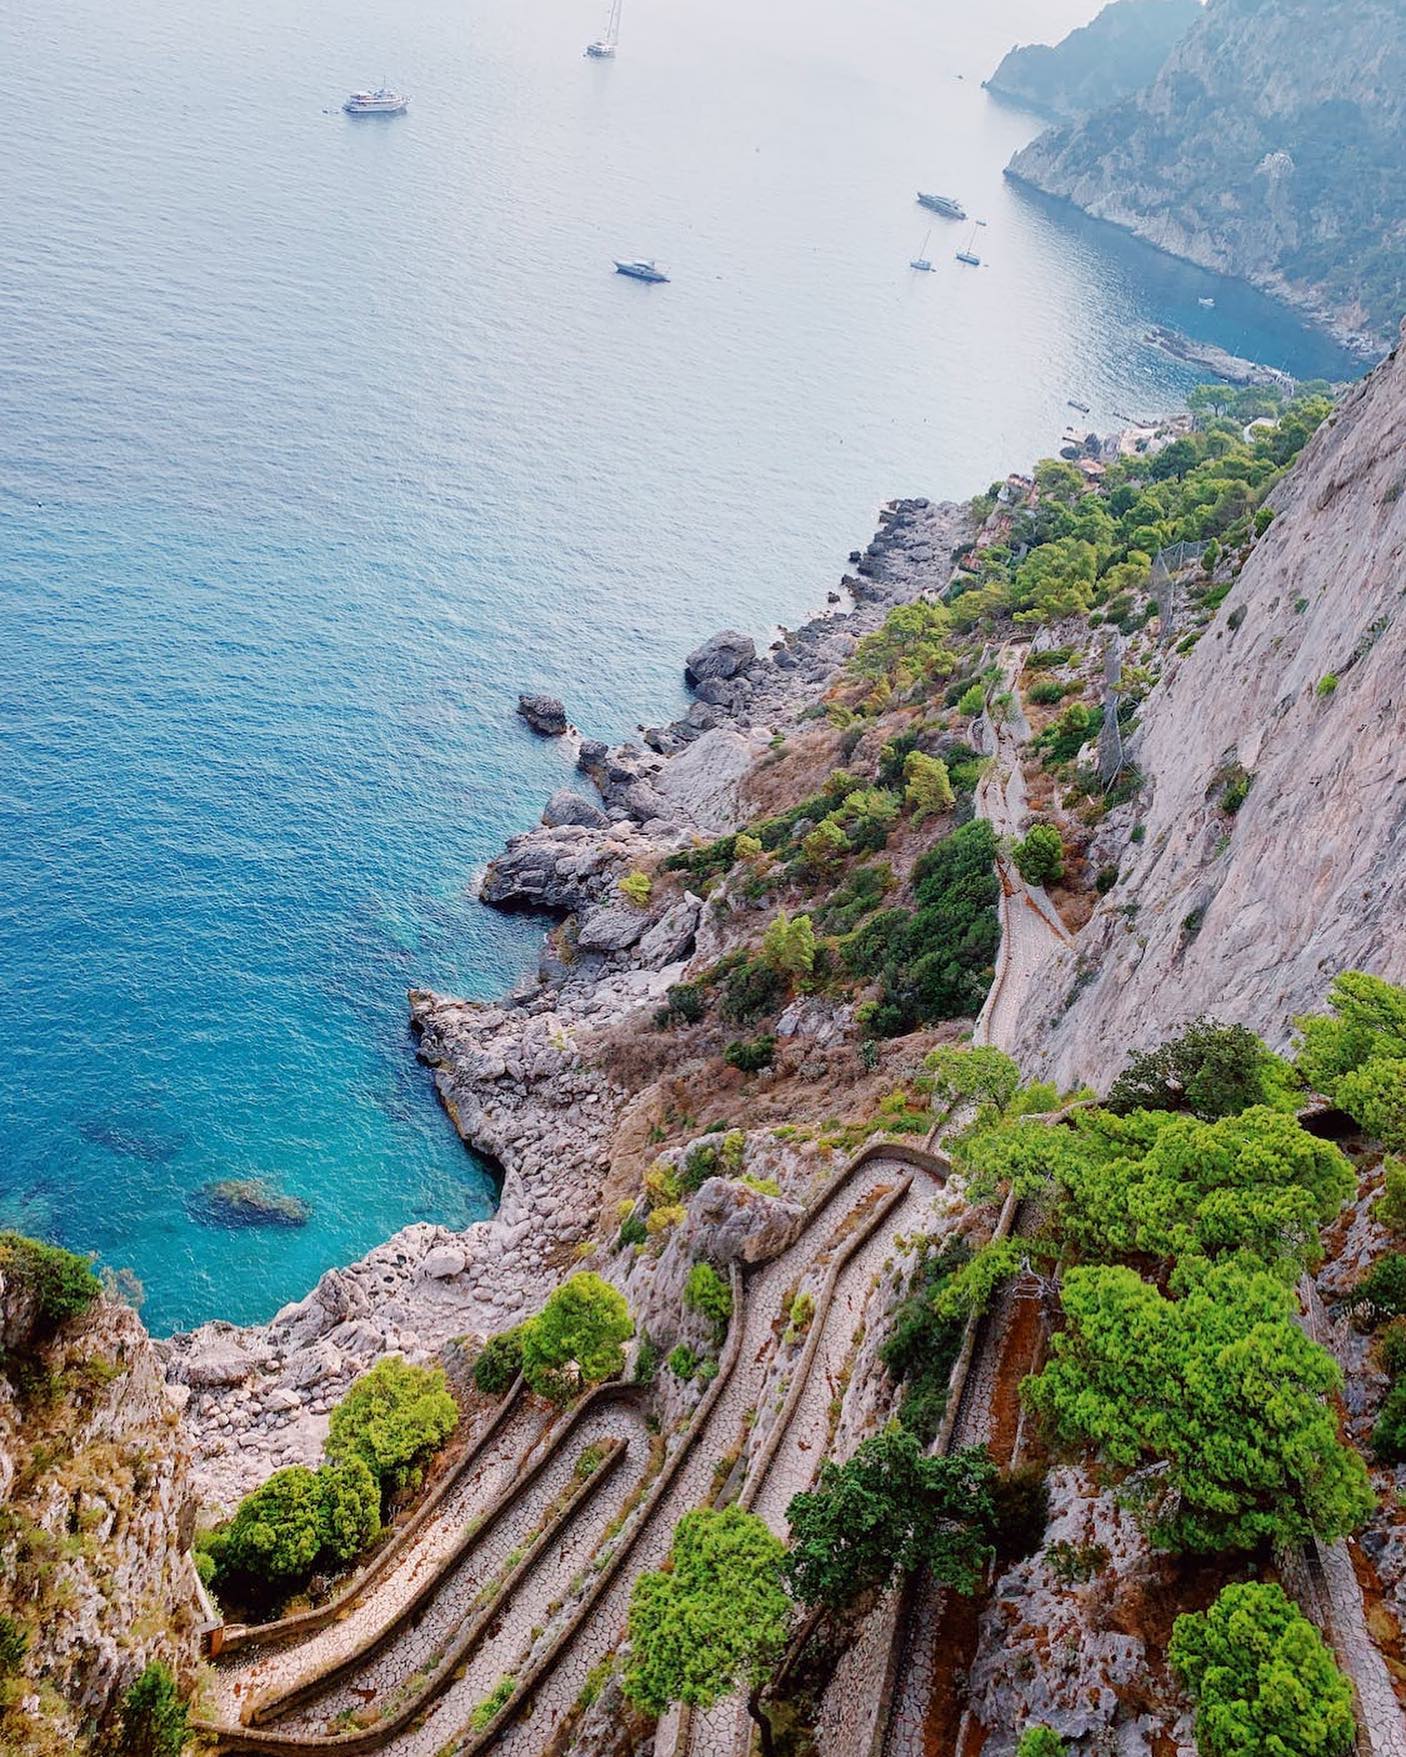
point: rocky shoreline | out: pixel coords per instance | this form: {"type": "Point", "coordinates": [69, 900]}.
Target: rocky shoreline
{"type": "Point", "coordinates": [518, 1078]}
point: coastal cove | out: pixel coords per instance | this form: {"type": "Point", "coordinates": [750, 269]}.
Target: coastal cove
{"type": "Point", "coordinates": [327, 438]}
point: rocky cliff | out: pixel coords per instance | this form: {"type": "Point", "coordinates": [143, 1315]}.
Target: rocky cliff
{"type": "Point", "coordinates": [1100, 63]}
{"type": "Point", "coordinates": [95, 1511]}
{"type": "Point", "coordinates": [1295, 690]}
{"type": "Point", "coordinates": [1269, 147]}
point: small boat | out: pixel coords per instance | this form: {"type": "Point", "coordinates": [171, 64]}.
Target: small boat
{"type": "Point", "coordinates": [922, 262]}
{"type": "Point", "coordinates": [1083, 408]}
{"type": "Point", "coordinates": [969, 256]}
{"type": "Point", "coordinates": [641, 269]}
{"type": "Point", "coordinates": [603, 49]}
{"type": "Point", "coordinates": [942, 204]}
{"type": "Point", "coordinates": [381, 102]}
{"type": "Point", "coordinates": [1207, 304]}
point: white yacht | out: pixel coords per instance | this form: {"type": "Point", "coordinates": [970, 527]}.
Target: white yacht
{"type": "Point", "coordinates": [942, 204]}
{"type": "Point", "coordinates": [381, 102]}
{"type": "Point", "coordinates": [641, 269]}
{"type": "Point", "coordinates": [603, 49]}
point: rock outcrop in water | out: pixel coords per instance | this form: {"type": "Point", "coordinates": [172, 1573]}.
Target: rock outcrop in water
{"type": "Point", "coordinates": [1297, 686]}
{"type": "Point", "coordinates": [1271, 146]}
{"type": "Point", "coordinates": [1121, 51]}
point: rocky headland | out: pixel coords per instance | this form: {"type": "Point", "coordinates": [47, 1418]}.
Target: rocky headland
{"type": "Point", "coordinates": [1118, 53]}
{"type": "Point", "coordinates": [1268, 147]}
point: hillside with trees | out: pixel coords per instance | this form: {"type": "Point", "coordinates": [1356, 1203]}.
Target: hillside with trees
{"type": "Point", "coordinates": [1269, 146]}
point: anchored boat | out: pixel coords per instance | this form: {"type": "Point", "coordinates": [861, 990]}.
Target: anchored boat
{"type": "Point", "coordinates": [641, 269]}
{"type": "Point", "coordinates": [942, 204]}
{"type": "Point", "coordinates": [603, 49]}
{"type": "Point", "coordinates": [381, 102]}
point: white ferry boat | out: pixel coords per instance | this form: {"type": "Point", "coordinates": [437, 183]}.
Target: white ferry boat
{"type": "Point", "coordinates": [382, 102]}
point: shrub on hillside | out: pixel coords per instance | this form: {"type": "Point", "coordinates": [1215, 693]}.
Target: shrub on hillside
{"type": "Point", "coordinates": [500, 1361]}
{"type": "Point", "coordinates": [153, 1715]}
{"type": "Point", "coordinates": [1261, 1678]}
{"type": "Point", "coordinates": [708, 1294]}
{"type": "Point", "coordinates": [394, 1418]}
{"type": "Point", "coordinates": [577, 1338]}
{"type": "Point", "coordinates": [1040, 857]}
{"type": "Point", "coordinates": [62, 1284]}
{"type": "Point", "coordinates": [750, 1056]}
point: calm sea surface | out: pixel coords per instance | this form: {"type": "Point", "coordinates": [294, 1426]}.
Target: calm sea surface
{"type": "Point", "coordinates": [320, 438]}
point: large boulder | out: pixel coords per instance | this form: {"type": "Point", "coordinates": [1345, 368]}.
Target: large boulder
{"type": "Point", "coordinates": [610, 927]}
{"type": "Point", "coordinates": [722, 655]}
{"type": "Point", "coordinates": [566, 807]}
{"type": "Point", "coordinates": [543, 713]}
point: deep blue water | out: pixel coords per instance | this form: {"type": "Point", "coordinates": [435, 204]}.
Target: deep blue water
{"type": "Point", "coordinates": [321, 438]}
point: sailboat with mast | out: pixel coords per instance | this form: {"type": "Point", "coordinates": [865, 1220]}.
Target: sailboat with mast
{"type": "Point", "coordinates": [922, 261]}
{"type": "Point", "coordinates": [603, 49]}
{"type": "Point", "coordinates": [969, 255]}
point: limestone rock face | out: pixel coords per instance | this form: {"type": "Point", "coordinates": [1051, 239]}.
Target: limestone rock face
{"type": "Point", "coordinates": [562, 867]}
{"type": "Point", "coordinates": [108, 1460]}
{"type": "Point", "coordinates": [1250, 916]}
{"type": "Point", "coordinates": [1270, 147]}
{"type": "Point", "coordinates": [722, 655]}
{"type": "Point", "coordinates": [544, 714]}
{"type": "Point", "coordinates": [1065, 1652]}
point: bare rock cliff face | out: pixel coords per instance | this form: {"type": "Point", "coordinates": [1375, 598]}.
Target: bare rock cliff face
{"type": "Point", "coordinates": [95, 1509]}
{"type": "Point", "coordinates": [1248, 916]}
{"type": "Point", "coordinates": [1269, 147]}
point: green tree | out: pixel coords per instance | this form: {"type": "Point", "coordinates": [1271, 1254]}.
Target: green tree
{"type": "Point", "coordinates": [1221, 1387]}
{"type": "Point", "coordinates": [977, 1075]}
{"type": "Point", "coordinates": [153, 1715]}
{"type": "Point", "coordinates": [928, 790]}
{"type": "Point", "coordinates": [825, 847]}
{"type": "Point", "coordinates": [275, 1538]}
{"type": "Point", "coordinates": [350, 1514]}
{"type": "Point", "coordinates": [971, 702]}
{"type": "Point", "coordinates": [577, 1338]}
{"type": "Point", "coordinates": [1167, 1185]}
{"type": "Point", "coordinates": [394, 1417]}
{"type": "Point", "coordinates": [1040, 1741]}
{"type": "Point", "coordinates": [788, 945]}
{"type": "Point", "coordinates": [499, 1362]}
{"type": "Point", "coordinates": [1261, 1678]}
{"type": "Point", "coordinates": [1369, 1024]}
{"type": "Point", "coordinates": [1060, 481]}
{"type": "Point", "coordinates": [1040, 857]}
{"type": "Point", "coordinates": [892, 1508]}
{"type": "Point", "coordinates": [714, 1621]}
{"type": "Point", "coordinates": [1374, 1095]}
{"type": "Point", "coordinates": [1212, 1070]}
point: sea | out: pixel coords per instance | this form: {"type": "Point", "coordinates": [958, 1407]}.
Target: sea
{"type": "Point", "coordinates": [322, 437]}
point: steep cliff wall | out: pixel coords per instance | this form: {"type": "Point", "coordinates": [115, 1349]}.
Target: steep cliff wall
{"type": "Point", "coordinates": [94, 1487]}
{"type": "Point", "coordinates": [1121, 51]}
{"type": "Point", "coordinates": [1271, 147]}
{"type": "Point", "coordinates": [1299, 683]}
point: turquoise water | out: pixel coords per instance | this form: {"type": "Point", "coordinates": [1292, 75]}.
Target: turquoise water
{"type": "Point", "coordinates": [321, 438]}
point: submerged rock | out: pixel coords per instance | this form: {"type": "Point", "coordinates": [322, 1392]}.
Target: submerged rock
{"type": "Point", "coordinates": [543, 713]}
{"type": "Point", "coordinates": [246, 1201]}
